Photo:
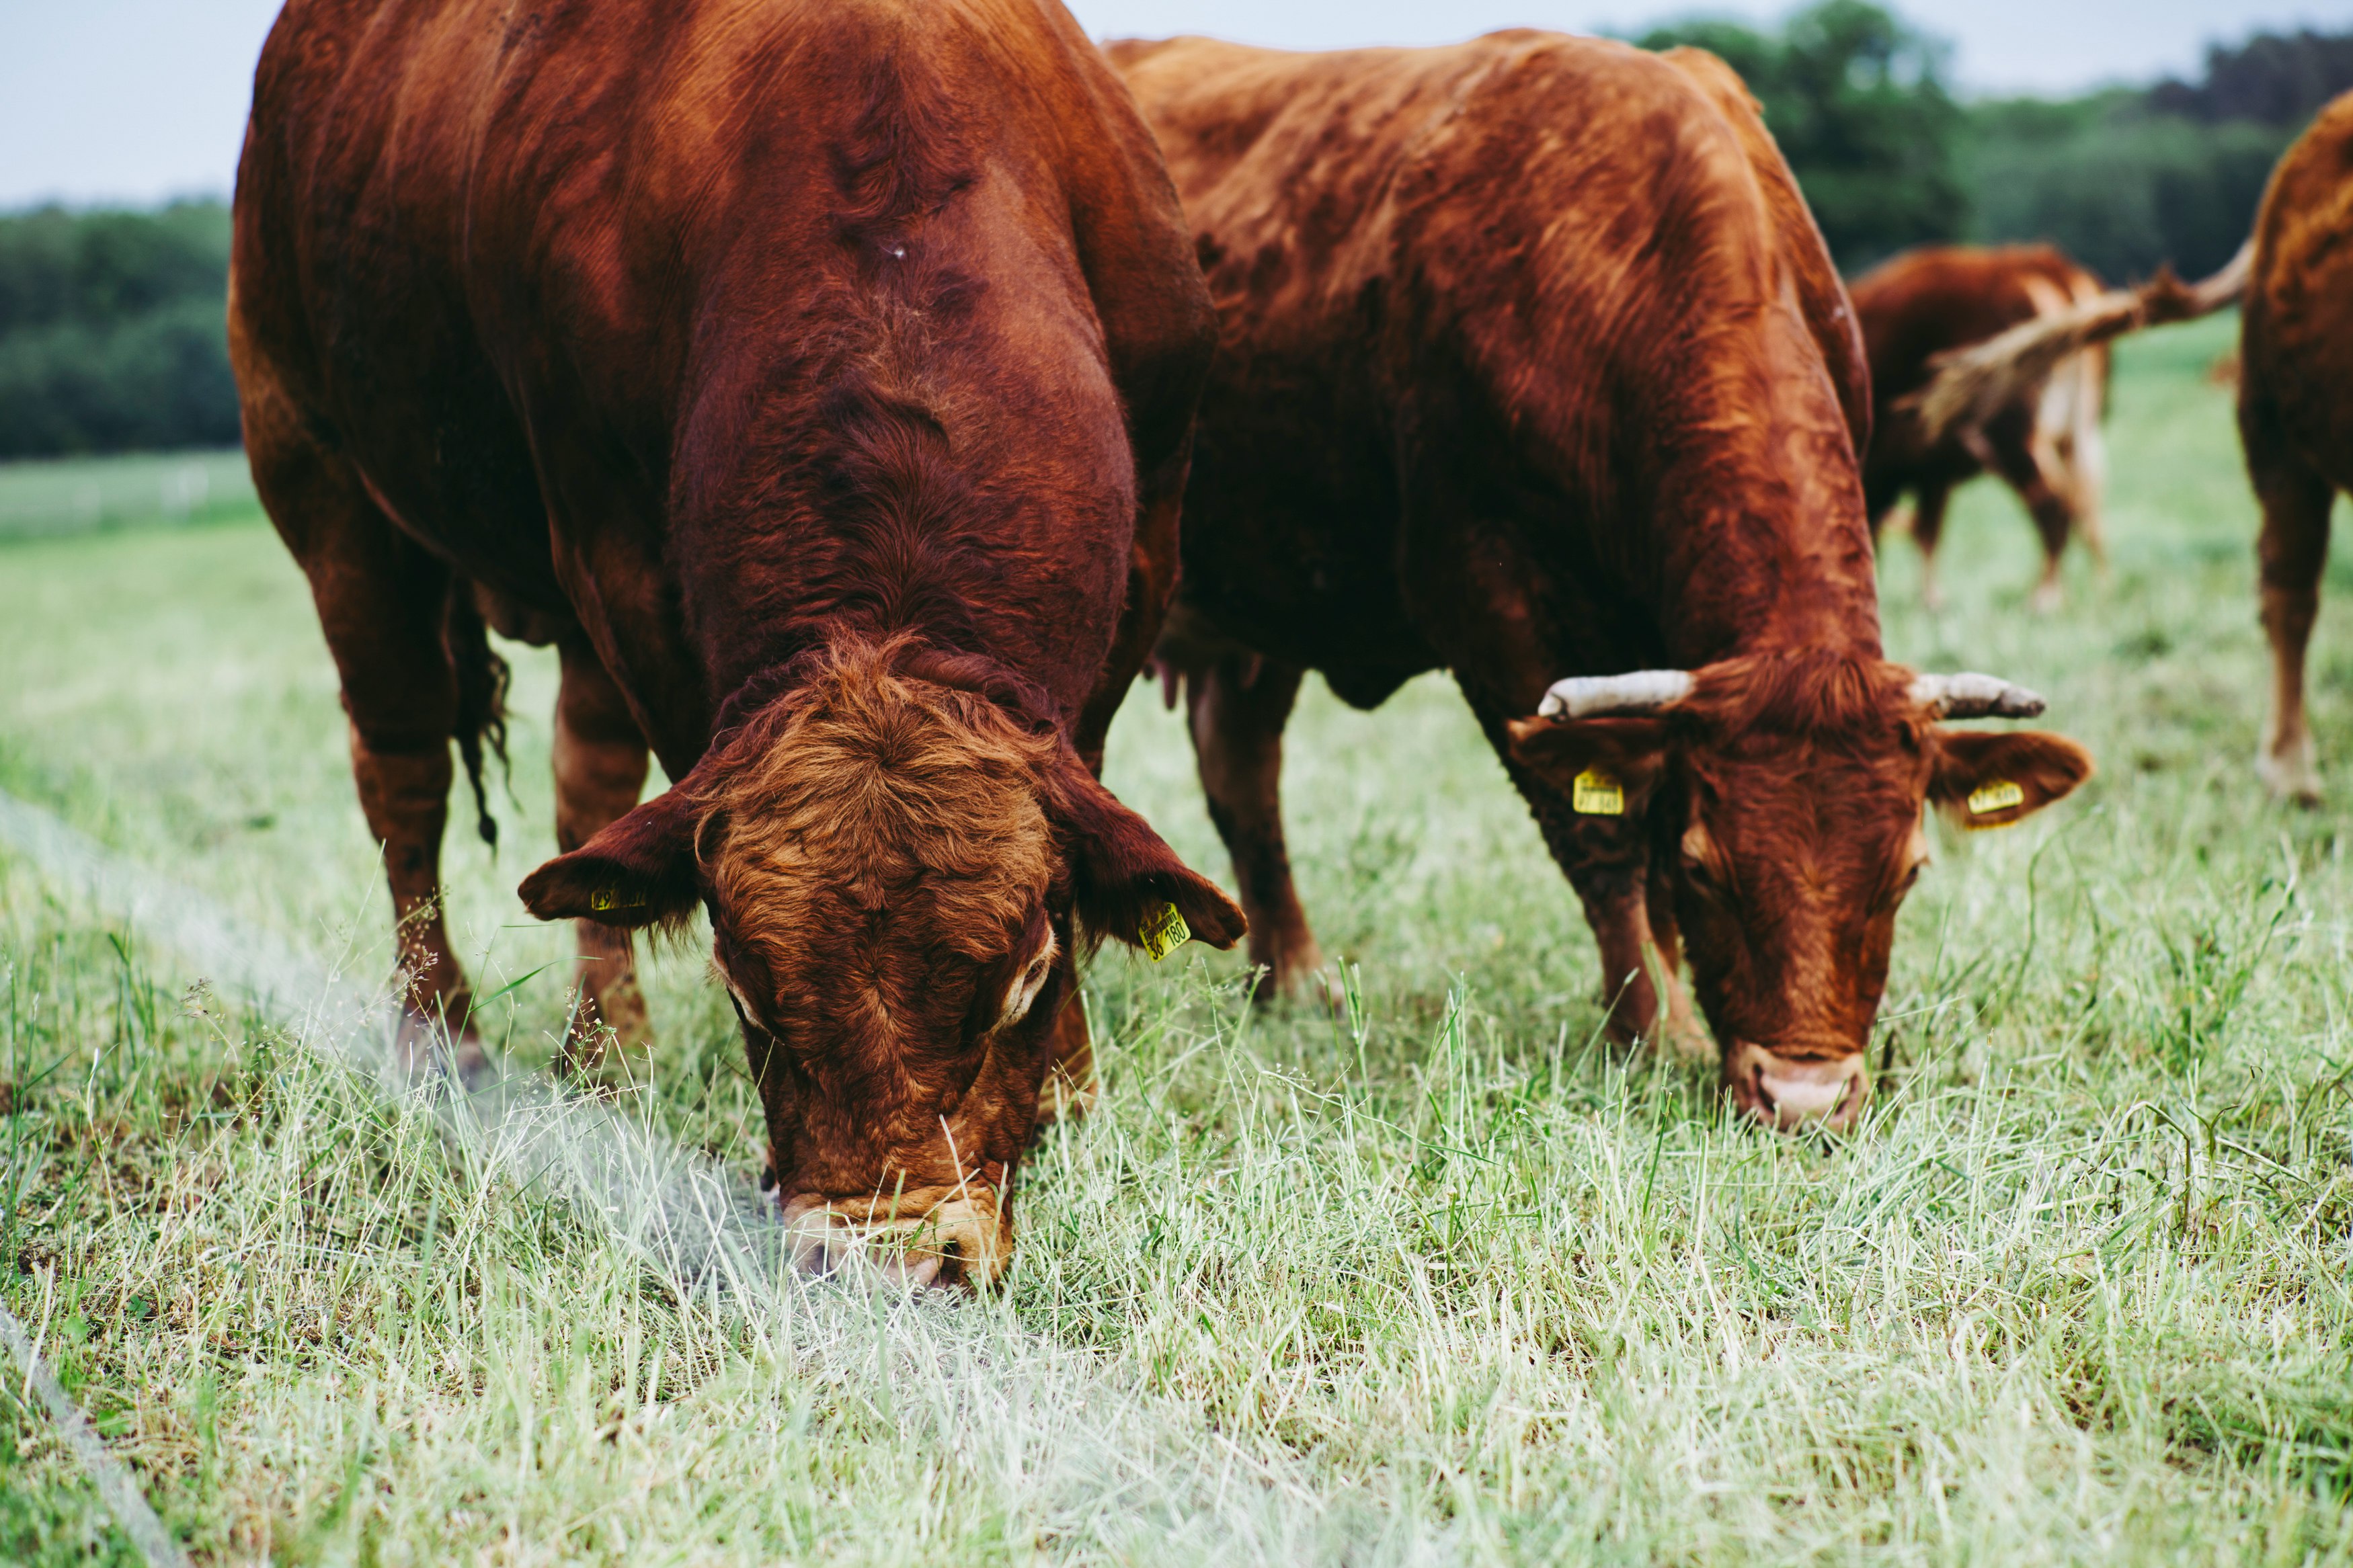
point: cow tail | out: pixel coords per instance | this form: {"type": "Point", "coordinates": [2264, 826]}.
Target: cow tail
{"type": "Point", "coordinates": [481, 698]}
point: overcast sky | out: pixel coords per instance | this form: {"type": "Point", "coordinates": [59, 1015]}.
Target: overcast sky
{"type": "Point", "coordinates": [138, 100]}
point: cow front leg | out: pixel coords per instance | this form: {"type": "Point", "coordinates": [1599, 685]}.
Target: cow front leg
{"type": "Point", "coordinates": [1071, 1084]}
{"type": "Point", "coordinates": [1605, 859]}
{"type": "Point", "coordinates": [600, 764]}
{"type": "Point", "coordinates": [2293, 548]}
{"type": "Point", "coordinates": [1642, 969]}
{"type": "Point", "coordinates": [403, 792]}
{"type": "Point", "coordinates": [2011, 455]}
{"type": "Point", "coordinates": [1238, 703]}
{"type": "Point", "coordinates": [1927, 528]}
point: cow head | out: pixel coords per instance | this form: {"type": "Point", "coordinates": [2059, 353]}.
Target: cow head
{"type": "Point", "coordinates": [1784, 797]}
{"type": "Point", "coordinates": [900, 858]}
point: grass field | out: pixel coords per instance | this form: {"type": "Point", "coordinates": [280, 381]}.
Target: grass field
{"type": "Point", "coordinates": [1453, 1284]}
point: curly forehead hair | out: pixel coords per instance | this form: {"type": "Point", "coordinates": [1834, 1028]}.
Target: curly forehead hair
{"type": "Point", "coordinates": [1799, 692]}
{"type": "Point", "coordinates": [868, 788]}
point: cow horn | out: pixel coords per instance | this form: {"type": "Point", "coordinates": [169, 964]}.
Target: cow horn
{"type": "Point", "coordinates": [1638, 691]}
{"type": "Point", "coordinates": [1973, 696]}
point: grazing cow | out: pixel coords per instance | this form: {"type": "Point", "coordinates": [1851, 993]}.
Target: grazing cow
{"type": "Point", "coordinates": [1532, 365]}
{"type": "Point", "coordinates": [819, 381]}
{"type": "Point", "coordinates": [2045, 443]}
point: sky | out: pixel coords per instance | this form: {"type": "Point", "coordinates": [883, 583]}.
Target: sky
{"type": "Point", "coordinates": [136, 100]}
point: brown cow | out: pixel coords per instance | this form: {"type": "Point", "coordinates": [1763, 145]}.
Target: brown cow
{"type": "Point", "coordinates": [819, 381]}
{"type": "Point", "coordinates": [1532, 363]}
{"type": "Point", "coordinates": [2296, 412]}
{"type": "Point", "coordinates": [2045, 443]}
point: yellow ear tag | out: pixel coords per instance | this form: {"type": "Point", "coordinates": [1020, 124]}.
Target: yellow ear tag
{"type": "Point", "coordinates": [605, 898]}
{"type": "Point", "coordinates": [1164, 932]}
{"type": "Point", "coordinates": [1597, 793]}
{"type": "Point", "coordinates": [1998, 796]}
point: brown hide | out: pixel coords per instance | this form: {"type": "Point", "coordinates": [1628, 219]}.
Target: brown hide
{"type": "Point", "coordinates": [1531, 365]}
{"type": "Point", "coordinates": [2296, 410]}
{"type": "Point", "coordinates": [2045, 443]}
{"type": "Point", "coordinates": [819, 376]}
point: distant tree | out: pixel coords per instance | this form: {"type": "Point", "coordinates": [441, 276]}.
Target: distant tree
{"type": "Point", "coordinates": [1857, 99]}
{"type": "Point", "coordinates": [111, 330]}
{"type": "Point", "coordinates": [2123, 191]}
{"type": "Point", "coordinates": [2128, 181]}
{"type": "Point", "coordinates": [2273, 78]}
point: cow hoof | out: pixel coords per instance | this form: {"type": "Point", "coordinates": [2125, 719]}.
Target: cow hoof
{"type": "Point", "coordinates": [1064, 1098]}
{"type": "Point", "coordinates": [424, 1050]}
{"type": "Point", "coordinates": [1687, 1041]}
{"type": "Point", "coordinates": [2291, 773]}
{"type": "Point", "coordinates": [2046, 599]}
{"type": "Point", "coordinates": [610, 1043]}
{"type": "Point", "coordinates": [1296, 972]}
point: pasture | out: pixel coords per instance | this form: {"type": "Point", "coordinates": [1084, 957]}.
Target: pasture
{"type": "Point", "coordinates": [1436, 1278]}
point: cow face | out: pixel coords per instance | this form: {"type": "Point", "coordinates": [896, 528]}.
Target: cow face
{"type": "Point", "coordinates": [899, 874]}
{"type": "Point", "coordinates": [1785, 801]}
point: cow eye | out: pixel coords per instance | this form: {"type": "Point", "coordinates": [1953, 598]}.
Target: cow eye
{"type": "Point", "coordinates": [1022, 994]}
{"type": "Point", "coordinates": [1699, 860]}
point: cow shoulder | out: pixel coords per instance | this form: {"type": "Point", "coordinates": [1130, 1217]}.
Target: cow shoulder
{"type": "Point", "coordinates": [1829, 311]}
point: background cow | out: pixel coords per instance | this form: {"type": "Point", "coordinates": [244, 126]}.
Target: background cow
{"type": "Point", "coordinates": [2296, 404]}
{"type": "Point", "coordinates": [2296, 412]}
{"type": "Point", "coordinates": [1531, 365]}
{"type": "Point", "coordinates": [819, 382]}
{"type": "Point", "coordinates": [2044, 443]}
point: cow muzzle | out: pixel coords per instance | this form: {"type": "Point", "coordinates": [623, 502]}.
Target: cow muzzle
{"type": "Point", "coordinates": [1787, 1093]}
{"type": "Point", "coordinates": [923, 1241]}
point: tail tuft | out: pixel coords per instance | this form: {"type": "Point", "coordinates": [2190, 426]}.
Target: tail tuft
{"type": "Point", "coordinates": [481, 698]}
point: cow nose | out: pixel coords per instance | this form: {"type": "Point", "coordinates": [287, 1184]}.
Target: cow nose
{"type": "Point", "coordinates": [959, 1243]}
{"type": "Point", "coordinates": [1789, 1093]}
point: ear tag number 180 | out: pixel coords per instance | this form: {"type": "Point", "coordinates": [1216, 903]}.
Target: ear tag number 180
{"type": "Point", "coordinates": [1596, 794]}
{"type": "Point", "coordinates": [1164, 932]}
{"type": "Point", "coordinates": [1998, 794]}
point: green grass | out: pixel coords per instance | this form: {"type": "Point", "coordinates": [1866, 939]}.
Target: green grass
{"type": "Point", "coordinates": [46, 497]}
{"type": "Point", "coordinates": [1453, 1284]}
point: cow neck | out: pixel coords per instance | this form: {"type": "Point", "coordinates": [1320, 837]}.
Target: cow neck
{"type": "Point", "coordinates": [1763, 546]}
{"type": "Point", "coordinates": [904, 654]}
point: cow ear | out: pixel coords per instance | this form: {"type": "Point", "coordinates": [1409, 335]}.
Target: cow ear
{"type": "Point", "coordinates": [1594, 760]}
{"type": "Point", "coordinates": [1990, 779]}
{"type": "Point", "coordinates": [639, 871]}
{"type": "Point", "coordinates": [1125, 878]}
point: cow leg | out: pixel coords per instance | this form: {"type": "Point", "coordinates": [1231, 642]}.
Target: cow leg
{"type": "Point", "coordinates": [600, 762]}
{"type": "Point", "coordinates": [1238, 703]}
{"type": "Point", "coordinates": [2293, 548]}
{"type": "Point", "coordinates": [383, 603]}
{"type": "Point", "coordinates": [1606, 862]}
{"type": "Point", "coordinates": [1070, 1090]}
{"type": "Point", "coordinates": [2014, 459]}
{"type": "Point", "coordinates": [1927, 528]}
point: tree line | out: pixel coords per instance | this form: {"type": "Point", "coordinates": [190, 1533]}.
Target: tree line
{"type": "Point", "coordinates": [111, 323]}
{"type": "Point", "coordinates": [2124, 179]}
{"type": "Point", "coordinates": [111, 336]}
